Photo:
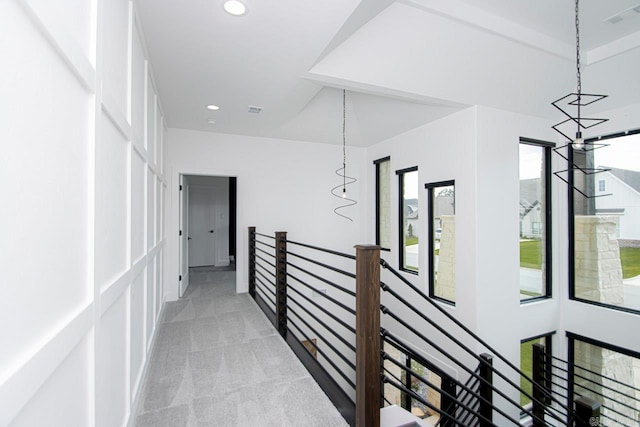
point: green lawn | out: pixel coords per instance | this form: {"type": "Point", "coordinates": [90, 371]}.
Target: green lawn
{"type": "Point", "coordinates": [630, 258]}
{"type": "Point", "coordinates": [531, 257]}
{"type": "Point", "coordinates": [530, 254]}
{"type": "Point", "coordinates": [408, 241]}
{"type": "Point", "coordinates": [526, 356]}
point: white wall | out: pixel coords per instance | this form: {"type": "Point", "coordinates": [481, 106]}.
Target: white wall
{"type": "Point", "coordinates": [82, 253]}
{"type": "Point", "coordinates": [281, 186]}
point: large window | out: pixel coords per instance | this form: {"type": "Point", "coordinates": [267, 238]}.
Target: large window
{"type": "Point", "coordinates": [442, 239]}
{"type": "Point", "coordinates": [383, 203]}
{"type": "Point", "coordinates": [607, 374]}
{"type": "Point", "coordinates": [535, 219]}
{"type": "Point", "coordinates": [409, 221]}
{"type": "Point", "coordinates": [605, 221]}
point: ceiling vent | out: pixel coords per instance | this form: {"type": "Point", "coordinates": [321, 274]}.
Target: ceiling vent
{"type": "Point", "coordinates": [614, 19]}
{"type": "Point", "coordinates": [253, 109]}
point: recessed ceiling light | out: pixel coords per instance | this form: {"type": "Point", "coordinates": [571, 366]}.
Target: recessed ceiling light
{"type": "Point", "coordinates": [235, 7]}
{"type": "Point", "coordinates": [211, 122]}
{"type": "Point", "coordinates": [213, 107]}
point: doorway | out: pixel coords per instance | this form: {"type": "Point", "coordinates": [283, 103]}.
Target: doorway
{"type": "Point", "coordinates": [207, 225]}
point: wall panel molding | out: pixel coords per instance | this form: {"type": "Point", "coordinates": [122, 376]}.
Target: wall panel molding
{"type": "Point", "coordinates": [64, 45]}
{"type": "Point", "coordinates": [117, 117]}
{"type": "Point", "coordinates": [23, 384]}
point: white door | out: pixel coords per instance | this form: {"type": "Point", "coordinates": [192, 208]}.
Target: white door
{"type": "Point", "coordinates": [201, 227]}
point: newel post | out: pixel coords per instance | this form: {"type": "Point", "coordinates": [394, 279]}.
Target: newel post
{"type": "Point", "coordinates": [368, 391]}
{"type": "Point", "coordinates": [539, 377]}
{"type": "Point", "coordinates": [252, 262]}
{"type": "Point", "coordinates": [281, 282]}
{"type": "Point", "coordinates": [486, 390]}
{"type": "Point", "coordinates": [587, 412]}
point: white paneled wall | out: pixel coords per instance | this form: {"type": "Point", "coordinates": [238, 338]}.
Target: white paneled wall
{"type": "Point", "coordinates": [82, 253]}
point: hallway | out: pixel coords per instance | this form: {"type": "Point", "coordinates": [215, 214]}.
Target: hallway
{"type": "Point", "coordinates": [218, 361]}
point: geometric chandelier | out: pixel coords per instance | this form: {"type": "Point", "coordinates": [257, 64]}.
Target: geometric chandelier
{"type": "Point", "coordinates": [571, 106]}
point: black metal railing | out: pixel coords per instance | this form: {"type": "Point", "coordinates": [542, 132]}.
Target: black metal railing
{"type": "Point", "coordinates": [311, 302]}
{"type": "Point", "coordinates": [619, 402]}
{"type": "Point", "coordinates": [329, 311]}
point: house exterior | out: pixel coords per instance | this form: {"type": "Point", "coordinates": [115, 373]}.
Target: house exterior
{"type": "Point", "coordinates": [92, 168]}
{"type": "Point", "coordinates": [619, 192]}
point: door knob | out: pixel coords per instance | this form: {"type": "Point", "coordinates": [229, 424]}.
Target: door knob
{"type": "Point", "coordinates": [210, 231]}
{"type": "Point", "coordinates": [189, 238]}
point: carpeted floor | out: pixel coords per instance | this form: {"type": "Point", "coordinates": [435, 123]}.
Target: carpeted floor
{"type": "Point", "coordinates": [217, 361]}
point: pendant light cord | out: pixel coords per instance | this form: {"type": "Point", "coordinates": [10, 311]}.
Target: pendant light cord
{"type": "Point", "coordinates": [342, 172]}
{"type": "Point", "coordinates": [578, 69]}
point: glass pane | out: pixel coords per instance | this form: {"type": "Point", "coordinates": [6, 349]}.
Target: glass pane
{"type": "Point", "coordinates": [607, 223]}
{"type": "Point", "coordinates": [443, 245]}
{"type": "Point", "coordinates": [384, 204]}
{"type": "Point", "coordinates": [410, 245]}
{"type": "Point", "coordinates": [607, 377]}
{"type": "Point", "coordinates": [532, 221]}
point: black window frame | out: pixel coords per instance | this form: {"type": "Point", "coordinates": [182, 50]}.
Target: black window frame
{"type": "Point", "coordinates": [548, 278]}
{"type": "Point", "coordinates": [400, 173]}
{"type": "Point", "coordinates": [377, 165]}
{"type": "Point", "coordinates": [430, 235]}
{"type": "Point", "coordinates": [571, 221]}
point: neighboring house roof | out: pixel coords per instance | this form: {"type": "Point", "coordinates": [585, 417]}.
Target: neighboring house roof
{"type": "Point", "coordinates": [629, 177]}
{"type": "Point", "coordinates": [529, 191]}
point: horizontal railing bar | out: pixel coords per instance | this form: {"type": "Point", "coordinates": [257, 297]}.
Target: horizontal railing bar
{"type": "Point", "coordinates": [489, 348]}
{"type": "Point", "coordinates": [331, 330]}
{"type": "Point", "coordinates": [614, 420]}
{"type": "Point", "coordinates": [608, 397]}
{"type": "Point", "coordinates": [557, 358]}
{"type": "Point", "coordinates": [419, 398]}
{"type": "Point", "coordinates": [324, 310]}
{"type": "Point", "coordinates": [265, 235]}
{"type": "Point", "coordinates": [273, 292]}
{"type": "Point", "coordinates": [319, 335]}
{"type": "Point", "coordinates": [607, 378]}
{"type": "Point", "coordinates": [261, 274]}
{"type": "Point", "coordinates": [414, 374]}
{"type": "Point", "coordinates": [321, 264]}
{"type": "Point", "coordinates": [333, 300]}
{"type": "Point", "coordinates": [267, 297]}
{"type": "Point", "coordinates": [319, 350]}
{"type": "Point", "coordinates": [603, 386]}
{"type": "Point", "coordinates": [267, 245]}
{"type": "Point", "coordinates": [559, 368]}
{"type": "Point", "coordinates": [322, 279]}
{"type": "Point", "coordinates": [266, 253]}
{"type": "Point", "coordinates": [602, 405]}
{"type": "Point", "coordinates": [559, 386]}
{"type": "Point", "coordinates": [386, 334]}
{"type": "Point", "coordinates": [329, 251]}
{"type": "Point", "coordinates": [427, 340]}
{"type": "Point", "coordinates": [265, 268]}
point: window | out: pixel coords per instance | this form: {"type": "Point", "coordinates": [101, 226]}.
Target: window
{"type": "Point", "coordinates": [535, 219]}
{"type": "Point", "coordinates": [601, 186]}
{"type": "Point", "coordinates": [605, 373]}
{"type": "Point", "coordinates": [442, 238]}
{"type": "Point", "coordinates": [383, 203]}
{"type": "Point", "coordinates": [409, 246]}
{"type": "Point", "coordinates": [605, 226]}
{"type": "Point", "coordinates": [526, 365]}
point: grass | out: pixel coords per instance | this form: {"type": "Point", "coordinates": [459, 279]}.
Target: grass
{"type": "Point", "coordinates": [630, 258]}
{"type": "Point", "coordinates": [408, 241]}
{"type": "Point", "coordinates": [526, 357]}
{"type": "Point", "coordinates": [531, 254]}
{"type": "Point", "coordinates": [531, 257]}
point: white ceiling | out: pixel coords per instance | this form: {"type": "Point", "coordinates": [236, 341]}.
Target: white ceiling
{"type": "Point", "coordinates": [404, 63]}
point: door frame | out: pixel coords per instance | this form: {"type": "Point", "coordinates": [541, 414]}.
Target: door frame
{"type": "Point", "coordinates": [175, 289]}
